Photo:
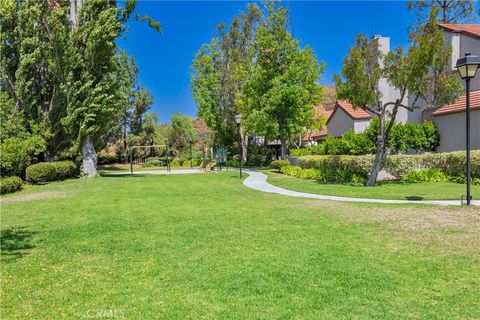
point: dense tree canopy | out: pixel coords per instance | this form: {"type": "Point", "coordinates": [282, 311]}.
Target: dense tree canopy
{"type": "Point", "coordinates": [181, 132]}
{"type": "Point", "coordinates": [258, 69]}
{"type": "Point", "coordinates": [219, 70]}
{"type": "Point", "coordinates": [278, 97]}
{"type": "Point", "coordinates": [63, 82]}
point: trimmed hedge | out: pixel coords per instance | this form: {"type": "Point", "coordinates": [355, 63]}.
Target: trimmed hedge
{"type": "Point", "coordinates": [279, 164]}
{"type": "Point", "coordinates": [10, 184]}
{"type": "Point", "coordinates": [322, 175]}
{"type": "Point", "coordinates": [359, 166]}
{"type": "Point", "coordinates": [300, 152]}
{"type": "Point", "coordinates": [50, 171]}
{"type": "Point", "coordinates": [451, 163]}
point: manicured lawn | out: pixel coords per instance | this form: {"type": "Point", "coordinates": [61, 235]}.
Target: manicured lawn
{"type": "Point", "coordinates": [204, 246]}
{"type": "Point", "coordinates": [385, 190]}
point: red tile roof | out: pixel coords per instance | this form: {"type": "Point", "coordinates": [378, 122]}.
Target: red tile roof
{"type": "Point", "coordinates": [315, 134]}
{"type": "Point", "coordinates": [355, 114]}
{"type": "Point", "coordinates": [460, 105]}
{"type": "Point", "coordinates": [469, 29]}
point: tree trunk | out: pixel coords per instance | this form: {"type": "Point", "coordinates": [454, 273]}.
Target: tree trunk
{"type": "Point", "coordinates": [244, 149]}
{"type": "Point", "coordinates": [377, 166]}
{"type": "Point", "coordinates": [283, 153]}
{"type": "Point", "coordinates": [125, 152]}
{"type": "Point", "coordinates": [379, 154]}
{"type": "Point", "coordinates": [89, 158]}
{"type": "Point", "coordinates": [244, 142]}
{"type": "Point", "coordinates": [75, 6]}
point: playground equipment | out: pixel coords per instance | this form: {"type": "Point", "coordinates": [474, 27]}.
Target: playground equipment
{"type": "Point", "coordinates": [141, 161]}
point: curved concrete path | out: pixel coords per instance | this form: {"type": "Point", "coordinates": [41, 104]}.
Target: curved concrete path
{"type": "Point", "coordinates": [258, 181]}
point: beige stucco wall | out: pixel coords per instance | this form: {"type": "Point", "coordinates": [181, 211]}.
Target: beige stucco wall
{"type": "Point", "coordinates": [340, 123]}
{"type": "Point", "coordinates": [462, 43]}
{"type": "Point", "coordinates": [361, 125]}
{"type": "Point", "coordinates": [451, 128]}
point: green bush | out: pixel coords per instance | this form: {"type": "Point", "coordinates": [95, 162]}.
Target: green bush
{"type": "Point", "coordinates": [10, 184]}
{"type": "Point", "coordinates": [451, 163]}
{"type": "Point", "coordinates": [356, 166]}
{"type": "Point", "coordinates": [234, 163]}
{"type": "Point", "coordinates": [256, 160]}
{"type": "Point", "coordinates": [18, 152]}
{"type": "Point", "coordinates": [164, 160]}
{"type": "Point", "coordinates": [50, 171]}
{"type": "Point", "coordinates": [196, 162]}
{"type": "Point", "coordinates": [108, 159]}
{"type": "Point", "coordinates": [291, 171]}
{"type": "Point", "coordinates": [350, 143]}
{"type": "Point", "coordinates": [324, 175]}
{"type": "Point", "coordinates": [279, 164]}
{"type": "Point", "coordinates": [400, 165]}
{"type": "Point", "coordinates": [300, 152]}
{"type": "Point", "coordinates": [426, 175]}
{"type": "Point", "coordinates": [175, 163]}
{"type": "Point", "coordinates": [152, 162]}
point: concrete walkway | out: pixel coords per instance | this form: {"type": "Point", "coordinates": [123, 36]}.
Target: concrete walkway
{"type": "Point", "coordinates": [258, 181]}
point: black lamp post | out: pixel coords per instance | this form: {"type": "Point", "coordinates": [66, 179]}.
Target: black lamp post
{"type": "Point", "coordinates": [238, 120]}
{"type": "Point", "coordinates": [190, 140]}
{"type": "Point", "coordinates": [467, 68]}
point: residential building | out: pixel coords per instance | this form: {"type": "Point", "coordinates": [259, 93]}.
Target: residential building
{"type": "Point", "coordinates": [450, 121]}
{"type": "Point", "coordinates": [463, 38]}
{"type": "Point", "coordinates": [344, 118]}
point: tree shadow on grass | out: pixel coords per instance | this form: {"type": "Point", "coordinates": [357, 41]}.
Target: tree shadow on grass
{"type": "Point", "coordinates": [15, 243]}
{"type": "Point", "coordinates": [124, 175]}
{"type": "Point", "coordinates": [414, 198]}
{"type": "Point", "coordinates": [110, 168]}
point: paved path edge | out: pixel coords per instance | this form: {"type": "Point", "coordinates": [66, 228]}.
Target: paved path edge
{"type": "Point", "coordinates": [258, 181]}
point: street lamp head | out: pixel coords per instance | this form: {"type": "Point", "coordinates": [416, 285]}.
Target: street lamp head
{"type": "Point", "coordinates": [238, 119]}
{"type": "Point", "coordinates": [467, 66]}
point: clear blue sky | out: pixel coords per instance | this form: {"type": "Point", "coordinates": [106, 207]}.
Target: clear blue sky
{"type": "Point", "coordinates": [329, 28]}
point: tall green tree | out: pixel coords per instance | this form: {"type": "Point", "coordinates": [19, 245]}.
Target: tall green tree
{"type": "Point", "coordinates": [181, 130]}
{"type": "Point", "coordinates": [137, 99]}
{"type": "Point", "coordinates": [421, 72]}
{"type": "Point", "coordinates": [277, 99]}
{"type": "Point", "coordinates": [219, 71]}
{"type": "Point", "coordinates": [33, 67]}
{"type": "Point", "coordinates": [448, 11]}
{"type": "Point", "coordinates": [59, 67]}
{"type": "Point", "coordinates": [95, 99]}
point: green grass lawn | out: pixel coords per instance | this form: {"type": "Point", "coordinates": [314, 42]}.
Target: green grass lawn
{"type": "Point", "coordinates": [126, 167]}
{"type": "Point", "coordinates": [204, 246]}
{"type": "Point", "coordinates": [386, 190]}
